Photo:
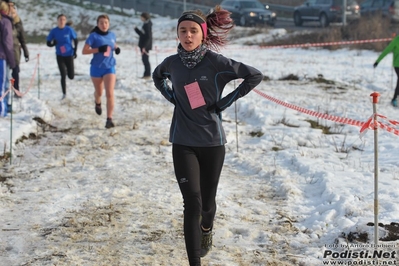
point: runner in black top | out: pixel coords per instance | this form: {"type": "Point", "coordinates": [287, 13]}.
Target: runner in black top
{"type": "Point", "coordinates": [198, 76]}
{"type": "Point", "coordinates": [62, 37]}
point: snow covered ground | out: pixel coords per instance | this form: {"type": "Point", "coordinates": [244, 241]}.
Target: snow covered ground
{"type": "Point", "coordinates": [76, 193]}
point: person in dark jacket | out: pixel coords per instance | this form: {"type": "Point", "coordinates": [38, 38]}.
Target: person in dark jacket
{"type": "Point", "coordinates": [7, 58]}
{"type": "Point", "coordinates": [62, 37]}
{"type": "Point", "coordinates": [198, 77]}
{"type": "Point", "coordinates": [19, 43]}
{"type": "Point", "coordinates": [145, 43]}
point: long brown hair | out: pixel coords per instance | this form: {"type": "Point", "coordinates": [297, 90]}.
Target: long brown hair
{"type": "Point", "coordinates": [219, 24]}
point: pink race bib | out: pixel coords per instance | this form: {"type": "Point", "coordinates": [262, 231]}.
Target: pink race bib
{"type": "Point", "coordinates": [194, 95]}
{"type": "Point", "coordinates": [63, 49]}
{"type": "Point", "coordinates": [108, 52]}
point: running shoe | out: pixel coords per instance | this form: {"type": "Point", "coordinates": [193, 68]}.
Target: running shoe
{"type": "Point", "coordinates": [109, 123]}
{"type": "Point", "coordinates": [98, 108]}
{"type": "Point", "coordinates": [394, 103]}
{"type": "Point", "coordinates": [206, 242]}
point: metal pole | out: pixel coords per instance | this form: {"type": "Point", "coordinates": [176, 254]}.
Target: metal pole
{"type": "Point", "coordinates": [375, 96]}
{"type": "Point", "coordinates": [235, 107]}
{"type": "Point", "coordinates": [344, 12]}
{"type": "Point", "coordinates": [38, 76]}
{"type": "Point", "coordinates": [12, 96]}
{"type": "Point", "coordinates": [184, 5]}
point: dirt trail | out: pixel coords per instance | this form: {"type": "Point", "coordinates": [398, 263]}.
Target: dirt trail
{"type": "Point", "coordinates": [57, 215]}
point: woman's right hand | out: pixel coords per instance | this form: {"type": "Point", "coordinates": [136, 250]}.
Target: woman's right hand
{"type": "Point", "coordinates": [102, 49]}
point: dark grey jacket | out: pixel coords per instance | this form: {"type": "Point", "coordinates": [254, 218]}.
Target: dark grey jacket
{"type": "Point", "coordinates": [145, 35]}
{"type": "Point", "coordinates": [200, 127]}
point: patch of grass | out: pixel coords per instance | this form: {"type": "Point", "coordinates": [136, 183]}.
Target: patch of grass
{"type": "Point", "coordinates": [316, 125]}
{"type": "Point", "coordinates": [284, 121]}
{"type": "Point", "coordinates": [321, 79]}
{"type": "Point", "coordinates": [266, 78]}
{"type": "Point", "coordinates": [276, 148]}
{"type": "Point", "coordinates": [290, 77]}
{"type": "Point", "coordinates": [32, 136]}
{"type": "Point", "coordinates": [365, 28]}
{"type": "Point", "coordinates": [34, 38]}
{"type": "Point", "coordinates": [95, 7]}
{"type": "Point", "coordinates": [5, 157]}
{"type": "Point", "coordinates": [256, 134]}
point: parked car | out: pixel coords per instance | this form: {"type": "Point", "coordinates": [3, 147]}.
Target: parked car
{"type": "Point", "coordinates": [386, 8]}
{"type": "Point", "coordinates": [325, 11]}
{"type": "Point", "coordinates": [249, 12]}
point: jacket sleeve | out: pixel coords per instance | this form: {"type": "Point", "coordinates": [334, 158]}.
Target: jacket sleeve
{"type": "Point", "coordinates": [388, 49]}
{"type": "Point", "coordinates": [8, 43]}
{"type": "Point", "coordinates": [138, 31]}
{"type": "Point", "coordinates": [147, 35]}
{"type": "Point", "coordinates": [160, 77]}
{"type": "Point", "coordinates": [21, 38]}
{"type": "Point", "coordinates": [236, 70]}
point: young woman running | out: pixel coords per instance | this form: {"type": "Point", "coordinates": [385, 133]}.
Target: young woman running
{"type": "Point", "coordinates": [101, 43]}
{"type": "Point", "coordinates": [62, 37]}
{"type": "Point", "coordinates": [198, 76]}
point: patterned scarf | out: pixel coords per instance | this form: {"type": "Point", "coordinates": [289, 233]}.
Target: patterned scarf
{"type": "Point", "coordinates": [191, 59]}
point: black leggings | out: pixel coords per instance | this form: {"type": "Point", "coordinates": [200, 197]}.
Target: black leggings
{"type": "Point", "coordinates": [146, 62]}
{"type": "Point", "coordinates": [197, 172]}
{"type": "Point", "coordinates": [15, 76]}
{"type": "Point", "coordinates": [397, 84]}
{"type": "Point", "coordinates": [65, 65]}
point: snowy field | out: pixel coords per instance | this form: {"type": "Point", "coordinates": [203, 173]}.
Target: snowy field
{"type": "Point", "coordinates": [76, 193]}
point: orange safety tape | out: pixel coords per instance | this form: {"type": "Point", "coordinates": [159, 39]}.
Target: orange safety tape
{"type": "Point", "coordinates": [19, 93]}
{"type": "Point", "coordinates": [369, 124]}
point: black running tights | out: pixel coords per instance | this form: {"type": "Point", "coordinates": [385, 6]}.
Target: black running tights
{"type": "Point", "coordinates": [197, 172]}
{"type": "Point", "coordinates": [65, 65]}
{"type": "Point", "coordinates": [15, 76]}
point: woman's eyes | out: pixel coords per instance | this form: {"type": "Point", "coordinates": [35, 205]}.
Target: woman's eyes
{"type": "Point", "coordinates": [191, 31]}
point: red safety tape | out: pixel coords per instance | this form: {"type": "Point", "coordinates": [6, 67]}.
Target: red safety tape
{"type": "Point", "coordinates": [364, 126]}
{"type": "Point", "coordinates": [328, 43]}
{"type": "Point", "coordinates": [20, 94]}
{"type": "Point", "coordinates": [5, 94]}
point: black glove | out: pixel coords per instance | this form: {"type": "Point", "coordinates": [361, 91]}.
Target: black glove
{"type": "Point", "coordinates": [214, 108]}
{"type": "Point", "coordinates": [118, 50]}
{"type": "Point", "coordinates": [51, 43]}
{"type": "Point", "coordinates": [375, 64]}
{"type": "Point", "coordinates": [102, 49]}
{"type": "Point", "coordinates": [26, 58]}
{"type": "Point", "coordinates": [74, 54]}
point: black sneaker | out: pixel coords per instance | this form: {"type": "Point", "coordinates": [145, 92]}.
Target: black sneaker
{"type": "Point", "coordinates": [98, 108]}
{"type": "Point", "coordinates": [109, 123]}
{"type": "Point", "coordinates": [206, 243]}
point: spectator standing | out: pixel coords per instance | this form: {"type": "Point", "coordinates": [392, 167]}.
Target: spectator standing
{"type": "Point", "coordinates": [7, 58]}
{"type": "Point", "coordinates": [62, 37]}
{"type": "Point", "coordinates": [145, 42]}
{"type": "Point", "coordinates": [19, 43]}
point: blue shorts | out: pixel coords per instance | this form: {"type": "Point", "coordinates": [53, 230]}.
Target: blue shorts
{"type": "Point", "coordinates": [97, 72]}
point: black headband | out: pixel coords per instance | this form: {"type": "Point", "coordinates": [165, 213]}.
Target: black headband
{"type": "Point", "coordinates": [196, 18]}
